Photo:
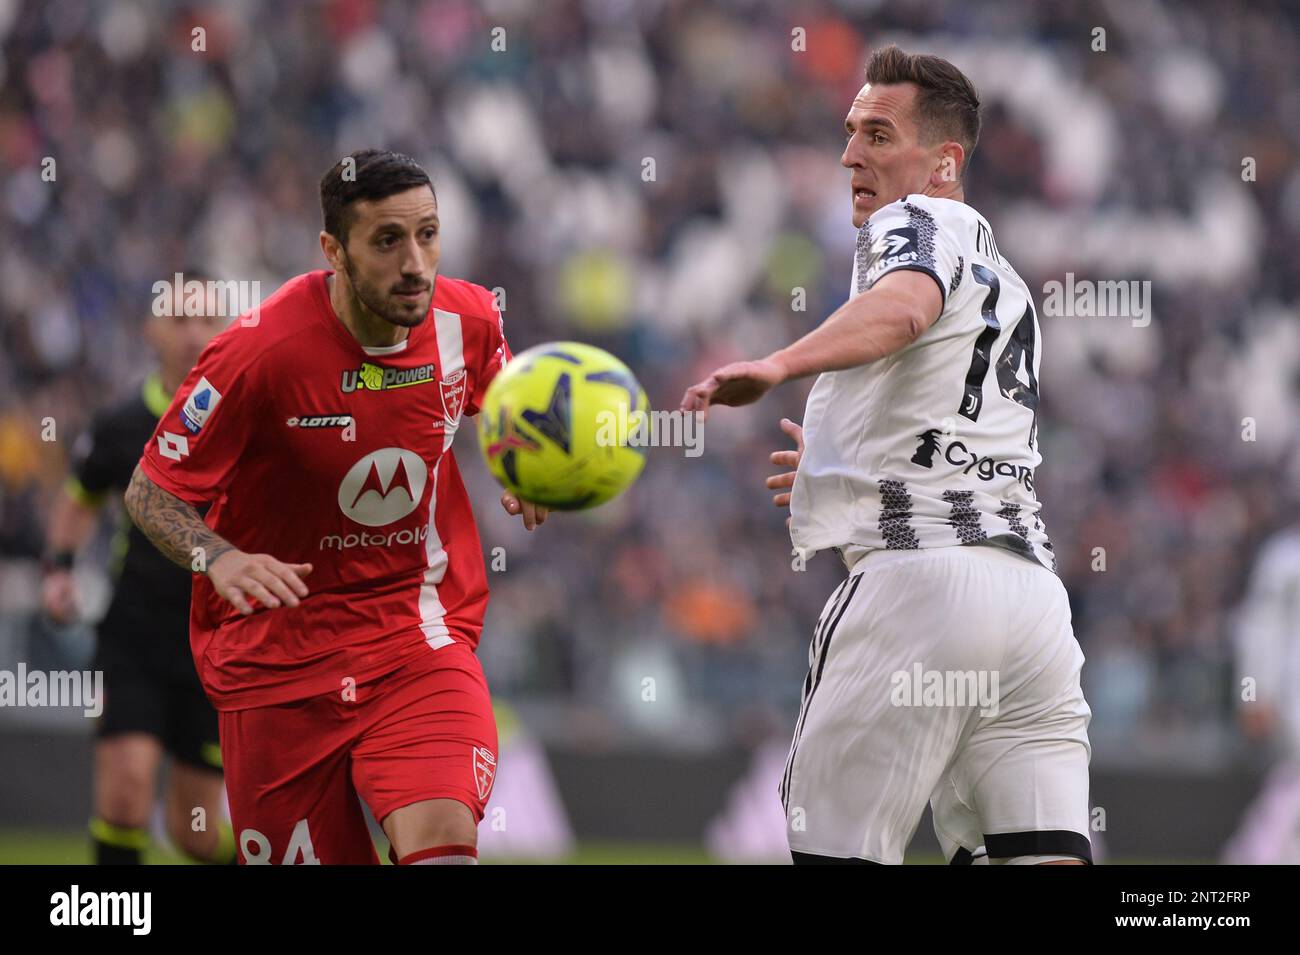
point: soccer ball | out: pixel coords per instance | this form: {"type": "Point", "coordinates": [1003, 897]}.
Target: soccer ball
{"type": "Point", "coordinates": [560, 426]}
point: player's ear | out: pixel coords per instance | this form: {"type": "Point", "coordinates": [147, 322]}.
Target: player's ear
{"type": "Point", "coordinates": [952, 159]}
{"type": "Point", "coordinates": [333, 250]}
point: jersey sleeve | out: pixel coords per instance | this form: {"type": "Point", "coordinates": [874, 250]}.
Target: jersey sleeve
{"type": "Point", "coordinates": [96, 464]}
{"type": "Point", "coordinates": [906, 236]}
{"type": "Point", "coordinates": [495, 354]}
{"type": "Point", "coordinates": [203, 434]}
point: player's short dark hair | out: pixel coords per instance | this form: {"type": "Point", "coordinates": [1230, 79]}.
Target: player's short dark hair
{"type": "Point", "coordinates": [366, 175]}
{"type": "Point", "coordinates": [947, 106]}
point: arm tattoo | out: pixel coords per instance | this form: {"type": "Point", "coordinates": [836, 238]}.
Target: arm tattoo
{"type": "Point", "coordinates": [174, 526]}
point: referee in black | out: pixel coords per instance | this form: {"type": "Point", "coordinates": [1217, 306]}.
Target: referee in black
{"type": "Point", "coordinates": [153, 702]}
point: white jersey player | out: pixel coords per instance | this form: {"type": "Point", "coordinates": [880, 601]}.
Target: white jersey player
{"type": "Point", "coordinates": [1268, 668]}
{"type": "Point", "coordinates": [933, 456]}
{"type": "Point", "coordinates": [944, 669]}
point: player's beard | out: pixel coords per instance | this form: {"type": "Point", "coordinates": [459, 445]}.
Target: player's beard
{"type": "Point", "coordinates": [382, 303]}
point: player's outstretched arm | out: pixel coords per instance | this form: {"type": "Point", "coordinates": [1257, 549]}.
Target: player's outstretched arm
{"type": "Point", "coordinates": [178, 531]}
{"type": "Point", "coordinates": [881, 321]}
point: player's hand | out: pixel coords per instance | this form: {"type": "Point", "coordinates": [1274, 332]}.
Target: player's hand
{"type": "Point", "coordinates": [59, 596]}
{"type": "Point", "coordinates": [786, 459]}
{"type": "Point", "coordinates": [534, 514]}
{"type": "Point", "coordinates": [740, 383]}
{"type": "Point", "coordinates": [239, 577]}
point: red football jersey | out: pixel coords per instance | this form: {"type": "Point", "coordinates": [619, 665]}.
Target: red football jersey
{"type": "Point", "coordinates": [316, 450]}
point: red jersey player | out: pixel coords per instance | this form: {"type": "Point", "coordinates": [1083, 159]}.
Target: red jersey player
{"type": "Point", "coordinates": [339, 588]}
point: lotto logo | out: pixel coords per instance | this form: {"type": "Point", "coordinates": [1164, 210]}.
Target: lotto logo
{"type": "Point", "coordinates": [173, 446]}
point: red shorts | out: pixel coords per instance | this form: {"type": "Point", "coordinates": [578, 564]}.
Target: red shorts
{"type": "Point", "coordinates": [294, 771]}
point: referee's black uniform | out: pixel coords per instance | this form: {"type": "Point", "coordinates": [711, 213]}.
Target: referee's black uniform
{"type": "Point", "coordinates": [143, 649]}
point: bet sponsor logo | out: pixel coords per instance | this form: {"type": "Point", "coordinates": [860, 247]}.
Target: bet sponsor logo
{"type": "Point", "coordinates": [894, 248]}
{"type": "Point", "coordinates": [372, 377]}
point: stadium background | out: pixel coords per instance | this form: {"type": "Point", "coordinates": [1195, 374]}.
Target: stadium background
{"type": "Point", "coordinates": [1119, 164]}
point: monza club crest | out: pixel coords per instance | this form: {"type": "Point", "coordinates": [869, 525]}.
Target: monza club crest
{"type": "Point", "coordinates": [485, 770]}
{"type": "Point", "coordinates": [453, 395]}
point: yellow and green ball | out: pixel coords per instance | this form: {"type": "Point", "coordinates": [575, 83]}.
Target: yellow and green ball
{"type": "Point", "coordinates": [563, 425]}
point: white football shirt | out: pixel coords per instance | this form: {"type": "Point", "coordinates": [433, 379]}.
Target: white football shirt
{"type": "Point", "coordinates": [1267, 631]}
{"type": "Point", "coordinates": [935, 445]}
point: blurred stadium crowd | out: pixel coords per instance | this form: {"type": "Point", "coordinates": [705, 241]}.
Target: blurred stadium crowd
{"type": "Point", "coordinates": [660, 178]}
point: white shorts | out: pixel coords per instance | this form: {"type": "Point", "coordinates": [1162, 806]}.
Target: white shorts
{"type": "Point", "coordinates": [949, 675]}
